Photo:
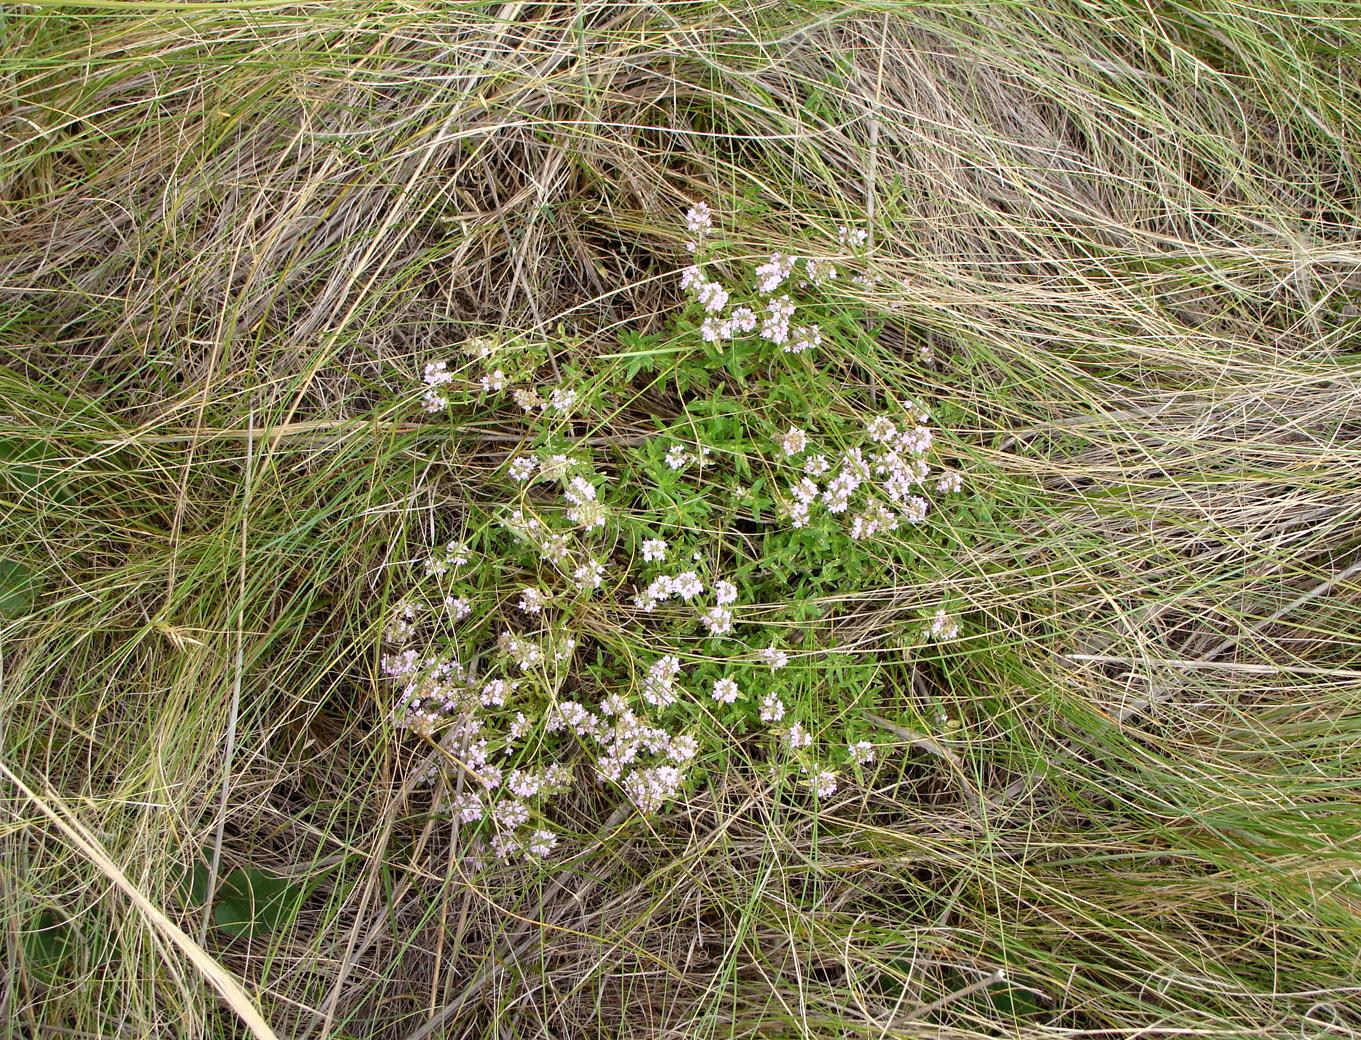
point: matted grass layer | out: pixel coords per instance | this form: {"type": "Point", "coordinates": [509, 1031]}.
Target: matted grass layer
{"type": "Point", "coordinates": [1128, 233]}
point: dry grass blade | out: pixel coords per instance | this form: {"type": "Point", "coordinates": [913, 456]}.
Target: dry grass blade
{"type": "Point", "coordinates": [88, 846]}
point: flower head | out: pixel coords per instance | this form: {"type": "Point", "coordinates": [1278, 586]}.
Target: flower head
{"type": "Point", "coordinates": [793, 441]}
{"type": "Point", "coordinates": [712, 296]}
{"type": "Point", "coordinates": [770, 274]}
{"type": "Point", "coordinates": [772, 708]}
{"type": "Point", "coordinates": [718, 620]}
{"type": "Point", "coordinates": [686, 585]}
{"type": "Point", "coordinates": [725, 690]}
{"type": "Point", "coordinates": [775, 327]}
{"type": "Point", "coordinates": [823, 783]}
{"type": "Point", "coordinates": [861, 752]}
{"type": "Point", "coordinates": [775, 657]}
{"type": "Point", "coordinates": [699, 222]}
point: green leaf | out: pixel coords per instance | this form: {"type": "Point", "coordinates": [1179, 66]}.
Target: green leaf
{"type": "Point", "coordinates": [1013, 1003]}
{"type": "Point", "coordinates": [13, 457]}
{"type": "Point", "coordinates": [19, 585]}
{"type": "Point", "coordinates": [45, 945]}
{"type": "Point", "coordinates": [18, 470]}
{"type": "Point", "coordinates": [193, 883]}
{"type": "Point", "coordinates": [249, 901]}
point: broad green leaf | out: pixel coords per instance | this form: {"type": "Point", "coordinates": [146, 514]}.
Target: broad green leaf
{"type": "Point", "coordinates": [45, 945]}
{"type": "Point", "coordinates": [249, 901]}
{"type": "Point", "coordinates": [19, 585]}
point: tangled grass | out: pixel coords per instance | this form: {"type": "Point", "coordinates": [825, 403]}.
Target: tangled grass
{"type": "Point", "coordinates": [1113, 247]}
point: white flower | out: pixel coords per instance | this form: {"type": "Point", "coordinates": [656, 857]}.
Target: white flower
{"type": "Point", "coordinates": [816, 465]}
{"type": "Point", "coordinates": [494, 381]}
{"type": "Point", "coordinates": [570, 715]}
{"type": "Point", "coordinates": [659, 685]}
{"type": "Point", "coordinates": [561, 400]}
{"type": "Point", "coordinates": [563, 651]}
{"type": "Point", "coordinates": [712, 296]}
{"type": "Point", "coordinates": [553, 548]}
{"type": "Point", "coordinates": [772, 708]}
{"type": "Point", "coordinates": [794, 441]}
{"type": "Point", "coordinates": [531, 601]}
{"type": "Point", "coordinates": [797, 737]}
{"type": "Point", "coordinates": [803, 339]}
{"type": "Point", "coordinates": [558, 777]}
{"type": "Point", "coordinates": [949, 482]}
{"type": "Point", "coordinates": [853, 461]}
{"type": "Point", "coordinates": [805, 491]}
{"type": "Point", "coordinates": [677, 457]}
{"type": "Point", "coordinates": [494, 693]}
{"type": "Point", "coordinates": [589, 575]}
{"type": "Point", "coordinates": [881, 429]}
{"type": "Point", "coordinates": [823, 783]}
{"type": "Point", "coordinates": [691, 278]}
{"type": "Point", "coordinates": [589, 515]}
{"type": "Point", "coordinates": [699, 221]}
{"type": "Point", "coordinates": [718, 620]}
{"type": "Point", "coordinates": [917, 412]}
{"type": "Point", "coordinates": [434, 402]}
{"type": "Point", "coordinates": [511, 813]}
{"type": "Point", "coordinates": [521, 469]}
{"type": "Point", "coordinates": [650, 789]}
{"type": "Point", "coordinates": [541, 842]}
{"type": "Point", "coordinates": [527, 398]}
{"type": "Point", "coordinates": [682, 749]}
{"type": "Point", "coordinates": [852, 238]}
{"type": "Point", "coordinates": [524, 652]}
{"type": "Point", "coordinates": [861, 752]}
{"type": "Point", "coordinates": [839, 491]}
{"type": "Point", "coordinates": [523, 784]}
{"type": "Point", "coordinates": [467, 806]}
{"type": "Point", "coordinates": [657, 591]}
{"type": "Point", "coordinates": [458, 606]}
{"type": "Point", "coordinates": [654, 550]}
{"type": "Point", "coordinates": [942, 626]}
{"type": "Point", "coordinates": [916, 441]}
{"type": "Point", "coordinates": [725, 593]}
{"type": "Point", "coordinates": [725, 691]}
{"type": "Point", "coordinates": [914, 509]}
{"type": "Point", "coordinates": [779, 311]}
{"type": "Point", "coordinates": [775, 657]}
{"type": "Point", "coordinates": [713, 329]}
{"type": "Point", "coordinates": [480, 347]}
{"type": "Point", "coordinates": [686, 585]}
{"type": "Point", "coordinates": [820, 271]}
{"type": "Point", "coordinates": [555, 467]}
{"type": "Point", "coordinates": [875, 519]}
{"type": "Point", "coordinates": [775, 271]}
{"type": "Point", "coordinates": [740, 320]}
{"type": "Point", "coordinates": [489, 777]}
{"type": "Point", "coordinates": [579, 491]}
{"type": "Point", "coordinates": [437, 373]}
